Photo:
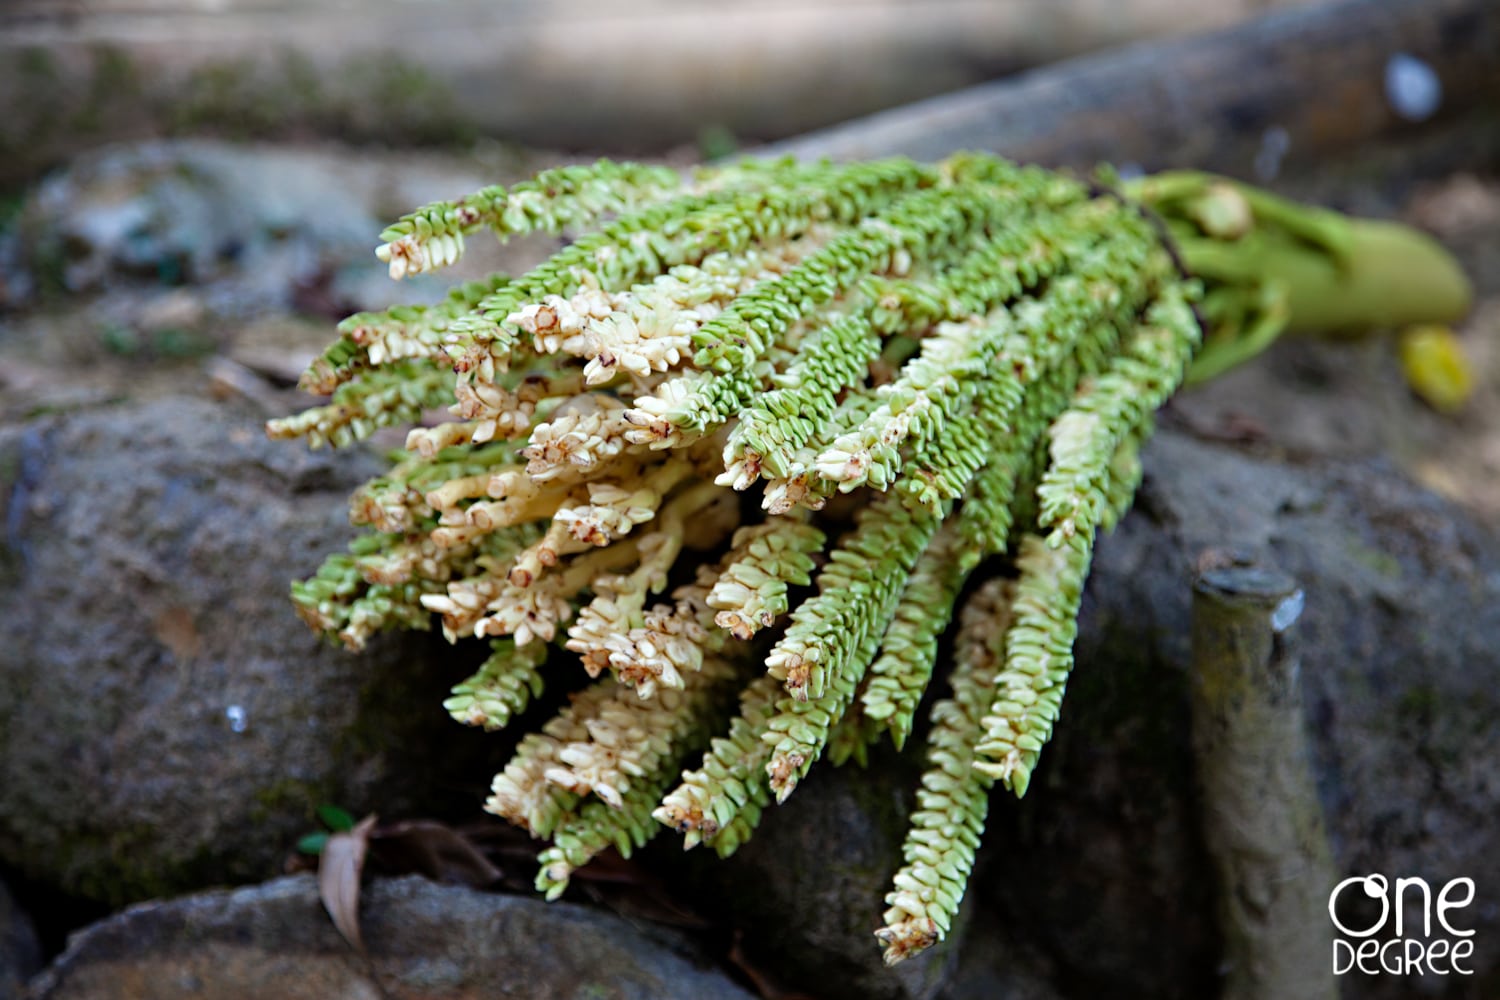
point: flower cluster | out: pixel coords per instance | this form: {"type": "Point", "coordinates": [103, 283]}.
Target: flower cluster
{"type": "Point", "coordinates": [910, 370]}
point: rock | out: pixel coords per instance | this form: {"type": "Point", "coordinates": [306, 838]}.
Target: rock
{"type": "Point", "coordinates": [994, 966]}
{"type": "Point", "coordinates": [1102, 867]}
{"type": "Point", "coordinates": [423, 940]}
{"type": "Point", "coordinates": [250, 228]}
{"type": "Point", "coordinates": [114, 781]}
{"type": "Point", "coordinates": [20, 953]}
{"type": "Point", "coordinates": [192, 212]}
{"type": "Point", "coordinates": [166, 723]}
{"type": "Point", "coordinates": [807, 891]}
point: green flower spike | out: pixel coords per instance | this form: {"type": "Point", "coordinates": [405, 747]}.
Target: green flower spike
{"type": "Point", "coordinates": [741, 445]}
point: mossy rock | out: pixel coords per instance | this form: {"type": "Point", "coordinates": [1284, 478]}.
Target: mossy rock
{"type": "Point", "coordinates": [166, 722]}
{"type": "Point", "coordinates": [1102, 867]}
{"type": "Point", "coordinates": [423, 940]}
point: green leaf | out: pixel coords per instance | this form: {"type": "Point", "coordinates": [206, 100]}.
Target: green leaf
{"type": "Point", "coordinates": [313, 843]}
{"type": "Point", "coordinates": [336, 819]}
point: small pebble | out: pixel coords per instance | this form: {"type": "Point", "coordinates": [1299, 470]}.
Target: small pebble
{"type": "Point", "coordinates": [1412, 88]}
{"type": "Point", "coordinates": [1274, 143]}
{"type": "Point", "coordinates": [1287, 612]}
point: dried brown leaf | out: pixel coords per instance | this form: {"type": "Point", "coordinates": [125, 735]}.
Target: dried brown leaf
{"type": "Point", "coordinates": [339, 870]}
{"type": "Point", "coordinates": [765, 984]}
{"type": "Point", "coordinates": [634, 892]}
{"type": "Point", "coordinates": [174, 628]}
{"type": "Point", "coordinates": [433, 849]}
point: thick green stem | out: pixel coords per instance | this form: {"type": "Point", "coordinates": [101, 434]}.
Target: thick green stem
{"type": "Point", "coordinates": [1270, 265]}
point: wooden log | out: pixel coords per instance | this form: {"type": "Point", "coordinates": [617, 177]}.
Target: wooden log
{"type": "Point", "coordinates": [580, 74]}
{"type": "Point", "coordinates": [1286, 90]}
{"type": "Point", "coordinates": [1262, 821]}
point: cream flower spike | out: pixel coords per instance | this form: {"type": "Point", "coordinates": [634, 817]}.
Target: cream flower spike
{"type": "Point", "coordinates": [741, 446]}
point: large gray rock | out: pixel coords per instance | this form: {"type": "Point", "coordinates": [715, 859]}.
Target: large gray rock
{"type": "Point", "coordinates": [166, 723]}
{"type": "Point", "coordinates": [1102, 866]}
{"type": "Point", "coordinates": [248, 228]}
{"type": "Point", "coordinates": [993, 964]}
{"type": "Point", "coordinates": [422, 940]}
{"type": "Point", "coordinates": [20, 952]}
{"type": "Point", "coordinates": [116, 780]}
{"type": "Point", "coordinates": [193, 212]}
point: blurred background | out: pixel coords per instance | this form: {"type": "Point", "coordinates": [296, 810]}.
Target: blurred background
{"type": "Point", "coordinates": [594, 75]}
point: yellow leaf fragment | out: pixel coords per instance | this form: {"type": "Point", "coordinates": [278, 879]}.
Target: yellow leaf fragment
{"type": "Point", "coordinates": [1436, 367]}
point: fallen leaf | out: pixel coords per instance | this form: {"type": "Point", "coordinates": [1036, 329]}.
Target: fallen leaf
{"type": "Point", "coordinates": [335, 818]}
{"type": "Point", "coordinates": [1436, 366]}
{"type": "Point", "coordinates": [175, 629]}
{"type": "Point", "coordinates": [313, 843]}
{"type": "Point", "coordinates": [228, 379]}
{"type": "Point", "coordinates": [339, 870]}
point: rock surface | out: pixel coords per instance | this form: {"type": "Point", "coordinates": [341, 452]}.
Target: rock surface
{"type": "Point", "coordinates": [165, 721]}
{"type": "Point", "coordinates": [423, 940]}
{"type": "Point", "coordinates": [20, 952]}
{"type": "Point", "coordinates": [116, 782]}
{"type": "Point", "coordinates": [993, 965]}
{"type": "Point", "coordinates": [189, 212]}
{"type": "Point", "coordinates": [807, 892]}
{"type": "Point", "coordinates": [204, 231]}
{"type": "Point", "coordinates": [136, 544]}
